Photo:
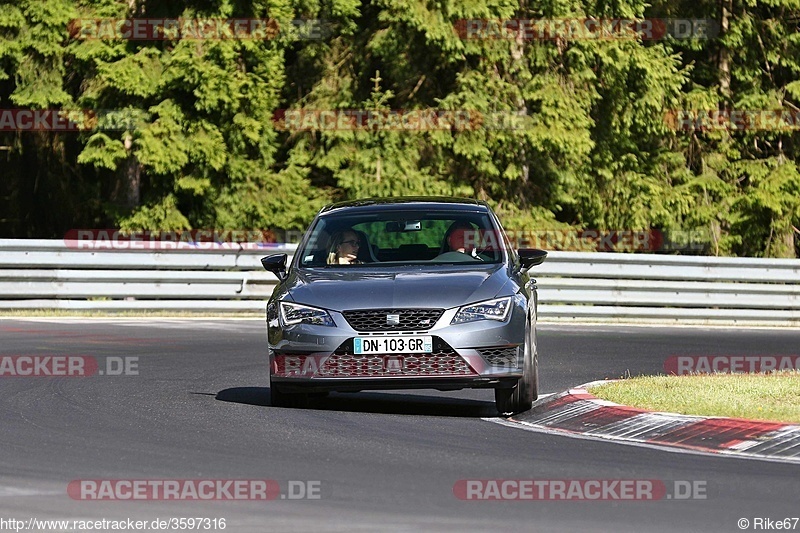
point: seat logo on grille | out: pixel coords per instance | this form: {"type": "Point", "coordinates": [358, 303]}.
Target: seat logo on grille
{"type": "Point", "coordinates": [393, 320]}
{"type": "Point", "coordinates": [393, 364]}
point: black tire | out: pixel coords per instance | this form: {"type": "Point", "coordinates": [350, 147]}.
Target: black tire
{"type": "Point", "coordinates": [521, 397]}
{"type": "Point", "coordinates": [279, 398]}
{"type": "Point", "coordinates": [535, 391]}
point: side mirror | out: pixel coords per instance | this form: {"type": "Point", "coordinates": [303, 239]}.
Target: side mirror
{"type": "Point", "coordinates": [531, 257]}
{"type": "Point", "coordinates": [276, 264]}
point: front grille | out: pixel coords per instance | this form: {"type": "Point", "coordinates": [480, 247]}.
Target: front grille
{"type": "Point", "coordinates": [439, 363]}
{"type": "Point", "coordinates": [501, 356]}
{"type": "Point", "coordinates": [376, 319]}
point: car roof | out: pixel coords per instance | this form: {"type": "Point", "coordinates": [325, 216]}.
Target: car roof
{"type": "Point", "coordinates": [401, 203]}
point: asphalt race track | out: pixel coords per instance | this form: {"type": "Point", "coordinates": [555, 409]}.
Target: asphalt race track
{"type": "Point", "coordinates": [198, 409]}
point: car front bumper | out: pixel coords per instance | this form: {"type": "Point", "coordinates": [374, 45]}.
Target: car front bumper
{"type": "Point", "coordinates": [481, 354]}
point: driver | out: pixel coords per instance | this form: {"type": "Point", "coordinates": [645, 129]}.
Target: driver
{"type": "Point", "coordinates": [344, 248]}
{"type": "Point", "coordinates": [459, 237]}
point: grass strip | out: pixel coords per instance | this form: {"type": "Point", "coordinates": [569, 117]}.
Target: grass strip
{"type": "Point", "coordinates": [772, 397]}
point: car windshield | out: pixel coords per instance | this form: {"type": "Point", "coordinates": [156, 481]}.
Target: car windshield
{"type": "Point", "coordinates": [402, 238]}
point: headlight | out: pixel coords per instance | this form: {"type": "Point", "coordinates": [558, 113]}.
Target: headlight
{"type": "Point", "coordinates": [489, 310]}
{"type": "Point", "coordinates": [297, 314]}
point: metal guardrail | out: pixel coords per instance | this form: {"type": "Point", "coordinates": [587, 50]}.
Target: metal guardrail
{"type": "Point", "coordinates": [663, 288]}
{"type": "Point", "coordinates": [47, 274]}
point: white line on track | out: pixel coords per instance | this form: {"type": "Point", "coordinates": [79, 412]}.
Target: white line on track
{"type": "Point", "coordinates": [10, 492]}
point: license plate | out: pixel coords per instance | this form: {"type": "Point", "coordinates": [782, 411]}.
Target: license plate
{"type": "Point", "coordinates": [398, 344]}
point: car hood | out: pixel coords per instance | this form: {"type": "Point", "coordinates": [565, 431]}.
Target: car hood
{"type": "Point", "coordinates": [366, 288]}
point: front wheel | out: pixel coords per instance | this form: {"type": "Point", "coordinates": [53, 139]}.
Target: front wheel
{"type": "Point", "coordinates": [521, 397]}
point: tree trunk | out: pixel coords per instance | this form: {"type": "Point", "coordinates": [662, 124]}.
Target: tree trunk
{"type": "Point", "coordinates": [724, 65]}
{"type": "Point", "coordinates": [127, 187]}
{"type": "Point", "coordinates": [518, 57]}
{"type": "Point", "coordinates": [783, 245]}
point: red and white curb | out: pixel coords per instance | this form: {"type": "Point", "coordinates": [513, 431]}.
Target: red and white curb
{"type": "Point", "coordinates": [578, 413]}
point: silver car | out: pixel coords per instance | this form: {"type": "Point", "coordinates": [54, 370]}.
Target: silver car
{"type": "Point", "coordinates": [399, 293]}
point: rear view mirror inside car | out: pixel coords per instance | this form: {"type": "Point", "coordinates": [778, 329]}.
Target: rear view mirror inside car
{"type": "Point", "coordinates": [399, 226]}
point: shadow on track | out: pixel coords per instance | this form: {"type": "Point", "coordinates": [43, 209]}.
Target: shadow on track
{"type": "Point", "coordinates": [372, 402]}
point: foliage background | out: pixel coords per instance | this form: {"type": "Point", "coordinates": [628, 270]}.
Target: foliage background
{"type": "Point", "coordinates": [594, 152]}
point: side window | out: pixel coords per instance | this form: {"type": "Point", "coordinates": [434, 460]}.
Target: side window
{"type": "Point", "coordinates": [315, 251]}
